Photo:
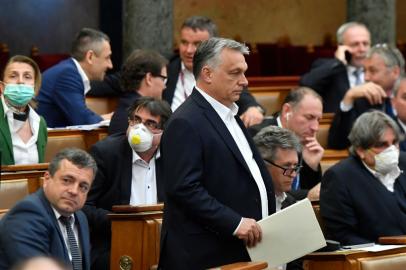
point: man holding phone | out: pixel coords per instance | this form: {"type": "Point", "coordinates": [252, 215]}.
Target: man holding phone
{"type": "Point", "coordinates": [331, 78]}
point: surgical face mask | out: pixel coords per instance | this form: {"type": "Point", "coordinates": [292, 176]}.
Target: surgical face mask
{"type": "Point", "coordinates": [140, 138]}
{"type": "Point", "coordinates": [387, 160]}
{"type": "Point", "coordinates": [18, 95]}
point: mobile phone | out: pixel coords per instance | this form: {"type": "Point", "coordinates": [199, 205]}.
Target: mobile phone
{"type": "Point", "coordinates": [348, 57]}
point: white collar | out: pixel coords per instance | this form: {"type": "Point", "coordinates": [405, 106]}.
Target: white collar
{"type": "Point", "coordinates": [83, 75]}
{"type": "Point", "coordinates": [223, 111]}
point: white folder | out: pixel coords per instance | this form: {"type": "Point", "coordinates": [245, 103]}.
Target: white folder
{"type": "Point", "coordinates": [288, 234]}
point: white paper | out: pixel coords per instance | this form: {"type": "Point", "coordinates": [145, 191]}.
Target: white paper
{"type": "Point", "coordinates": [103, 123]}
{"type": "Point", "coordinates": [288, 234]}
{"type": "Point", "coordinates": [376, 248]}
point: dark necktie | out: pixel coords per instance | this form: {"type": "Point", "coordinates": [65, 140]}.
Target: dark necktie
{"type": "Point", "coordinates": [357, 76]}
{"type": "Point", "coordinates": [296, 183]}
{"type": "Point", "coordinates": [73, 245]}
{"type": "Point", "coordinates": [388, 107]}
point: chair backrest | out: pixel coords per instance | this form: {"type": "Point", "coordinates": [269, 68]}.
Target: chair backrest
{"type": "Point", "coordinates": [11, 191]}
{"type": "Point", "coordinates": [385, 262]}
{"type": "Point", "coordinates": [102, 105]}
{"type": "Point", "coordinates": [3, 212]}
{"type": "Point", "coordinates": [56, 143]}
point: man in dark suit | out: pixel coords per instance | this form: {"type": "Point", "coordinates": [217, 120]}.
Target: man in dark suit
{"type": "Point", "coordinates": [364, 196]}
{"type": "Point", "coordinates": [280, 149]}
{"type": "Point", "coordinates": [216, 183]}
{"type": "Point", "coordinates": [383, 66]}
{"type": "Point", "coordinates": [399, 105]}
{"type": "Point", "coordinates": [331, 78]}
{"type": "Point", "coordinates": [49, 222]}
{"type": "Point", "coordinates": [129, 172]}
{"type": "Point", "coordinates": [143, 74]}
{"type": "Point", "coordinates": [180, 74]}
{"type": "Point", "coordinates": [301, 112]}
{"type": "Point", "coordinates": [61, 99]}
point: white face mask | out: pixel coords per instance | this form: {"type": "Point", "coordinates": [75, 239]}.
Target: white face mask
{"type": "Point", "coordinates": [387, 160]}
{"type": "Point", "coordinates": [140, 138]}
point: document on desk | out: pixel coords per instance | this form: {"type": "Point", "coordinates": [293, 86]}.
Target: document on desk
{"type": "Point", "coordinates": [288, 234]}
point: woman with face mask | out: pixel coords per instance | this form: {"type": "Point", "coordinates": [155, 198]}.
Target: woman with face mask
{"type": "Point", "coordinates": [23, 133]}
{"type": "Point", "coordinates": [363, 197]}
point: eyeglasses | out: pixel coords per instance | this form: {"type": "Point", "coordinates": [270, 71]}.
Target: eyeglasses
{"type": "Point", "coordinates": [164, 78]}
{"type": "Point", "coordinates": [151, 124]}
{"type": "Point", "coordinates": [286, 171]}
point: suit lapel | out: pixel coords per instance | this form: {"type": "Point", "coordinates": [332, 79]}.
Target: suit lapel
{"type": "Point", "coordinates": [126, 171]}
{"type": "Point", "coordinates": [5, 132]}
{"type": "Point", "coordinates": [219, 126]}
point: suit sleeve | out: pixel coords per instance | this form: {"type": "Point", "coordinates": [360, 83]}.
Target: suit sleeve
{"type": "Point", "coordinates": [25, 233]}
{"type": "Point", "coordinates": [70, 99]}
{"type": "Point", "coordinates": [319, 76]}
{"type": "Point", "coordinates": [340, 129]}
{"type": "Point", "coordinates": [336, 206]}
{"type": "Point", "coordinates": [246, 101]}
{"type": "Point", "coordinates": [184, 172]}
{"type": "Point", "coordinates": [97, 217]}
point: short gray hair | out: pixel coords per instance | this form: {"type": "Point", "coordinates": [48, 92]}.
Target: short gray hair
{"type": "Point", "coordinates": [391, 55]}
{"type": "Point", "coordinates": [343, 28]}
{"type": "Point", "coordinates": [201, 23]}
{"type": "Point", "coordinates": [271, 138]}
{"type": "Point", "coordinates": [76, 156]}
{"type": "Point", "coordinates": [88, 39]}
{"type": "Point", "coordinates": [208, 53]}
{"type": "Point", "coordinates": [369, 128]}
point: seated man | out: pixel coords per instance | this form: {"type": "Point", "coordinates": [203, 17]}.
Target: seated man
{"type": "Point", "coordinates": [383, 66]}
{"type": "Point", "coordinates": [61, 99]}
{"type": "Point", "coordinates": [41, 224]}
{"type": "Point", "coordinates": [332, 77]}
{"type": "Point", "coordinates": [280, 149]}
{"type": "Point", "coordinates": [363, 197]}
{"type": "Point", "coordinates": [399, 105]}
{"type": "Point", "coordinates": [143, 74]}
{"type": "Point", "coordinates": [301, 113]}
{"type": "Point", "coordinates": [129, 172]}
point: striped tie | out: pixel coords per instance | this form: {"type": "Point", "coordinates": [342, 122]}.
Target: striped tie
{"type": "Point", "coordinates": [73, 245]}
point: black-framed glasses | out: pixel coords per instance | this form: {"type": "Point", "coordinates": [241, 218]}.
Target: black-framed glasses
{"type": "Point", "coordinates": [151, 124]}
{"type": "Point", "coordinates": [286, 171]}
{"type": "Point", "coordinates": [164, 78]}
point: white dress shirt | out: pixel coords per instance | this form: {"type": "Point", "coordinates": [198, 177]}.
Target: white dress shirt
{"type": "Point", "coordinates": [143, 183]}
{"type": "Point", "coordinates": [388, 180]}
{"type": "Point", "coordinates": [24, 153]}
{"type": "Point", "coordinates": [184, 87]}
{"type": "Point", "coordinates": [227, 115]}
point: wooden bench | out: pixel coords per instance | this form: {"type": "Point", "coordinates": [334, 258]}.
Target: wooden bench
{"type": "Point", "coordinates": [32, 172]}
{"type": "Point", "coordinates": [292, 81]}
{"type": "Point", "coordinates": [102, 105]}
{"type": "Point", "coordinates": [82, 139]}
{"type": "Point", "coordinates": [270, 97]}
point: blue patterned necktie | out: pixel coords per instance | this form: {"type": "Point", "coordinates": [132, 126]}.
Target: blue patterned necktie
{"type": "Point", "coordinates": [296, 183]}
{"type": "Point", "coordinates": [73, 245]}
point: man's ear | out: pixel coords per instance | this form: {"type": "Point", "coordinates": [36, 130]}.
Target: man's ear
{"type": "Point", "coordinates": [47, 178]}
{"type": "Point", "coordinates": [148, 78]}
{"type": "Point", "coordinates": [286, 111]}
{"type": "Point", "coordinates": [360, 152]}
{"type": "Point", "coordinates": [89, 56]}
{"type": "Point", "coordinates": [206, 74]}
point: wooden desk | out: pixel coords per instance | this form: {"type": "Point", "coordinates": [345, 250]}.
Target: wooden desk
{"type": "Point", "coordinates": [135, 234]}
{"type": "Point", "coordinates": [342, 260]}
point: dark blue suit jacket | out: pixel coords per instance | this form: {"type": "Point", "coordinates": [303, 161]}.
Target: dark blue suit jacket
{"type": "Point", "coordinates": [357, 208]}
{"type": "Point", "coordinates": [119, 121]}
{"type": "Point", "coordinates": [61, 99]}
{"type": "Point", "coordinates": [208, 188]}
{"type": "Point", "coordinates": [30, 229]}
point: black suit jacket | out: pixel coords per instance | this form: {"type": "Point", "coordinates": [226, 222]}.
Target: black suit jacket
{"type": "Point", "coordinates": [308, 177]}
{"type": "Point", "coordinates": [246, 99]}
{"type": "Point", "coordinates": [357, 208]}
{"type": "Point", "coordinates": [119, 121]}
{"type": "Point", "coordinates": [112, 186]}
{"type": "Point", "coordinates": [342, 123]}
{"type": "Point", "coordinates": [329, 78]}
{"type": "Point", "coordinates": [208, 189]}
